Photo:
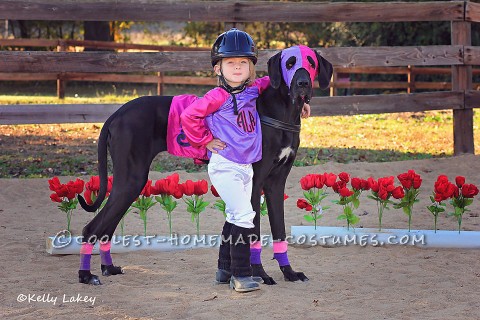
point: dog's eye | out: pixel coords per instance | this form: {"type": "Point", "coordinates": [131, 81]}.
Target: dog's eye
{"type": "Point", "coordinates": [311, 61]}
{"type": "Point", "coordinates": [290, 62]}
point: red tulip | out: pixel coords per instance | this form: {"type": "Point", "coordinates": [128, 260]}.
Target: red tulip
{"type": "Point", "coordinates": [339, 185]}
{"type": "Point", "coordinates": [330, 179]}
{"type": "Point", "coordinates": [345, 192]}
{"type": "Point", "coordinates": [345, 177]}
{"type": "Point", "coordinates": [398, 193]}
{"type": "Point", "coordinates": [356, 183]}
{"type": "Point", "coordinates": [460, 181]}
{"type": "Point", "coordinates": [302, 203]}
{"type": "Point", "coordinates": [93, 184]}
{"type": "Point", "coordinates": [54, 183]}
{"type": "Point", "coordinates": [88, 196]}
{"type": "Point", "coordinates": [55, 198]}
{"type": "Point", "coordinates": [469, 190]}
{"type": "Point", "coordinates": [373, 184]}
{"type": "Point", "coordinates": [200, 187]}
{"type": "Point", "coordinates": [214, 191]}
{"type": "Point", "coordinates": [307, 182]}
{"type": "Point", "coordinates": [147, 189]}
{"type": "Point", "coordinates": [188, 187]}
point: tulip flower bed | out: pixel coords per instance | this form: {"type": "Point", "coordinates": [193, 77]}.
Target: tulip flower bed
{"type": "Point", "coordinates": [349, 190]}
{"type": "Point", "coordinates": [384, 192]}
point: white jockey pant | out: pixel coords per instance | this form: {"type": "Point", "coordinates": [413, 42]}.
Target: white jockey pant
{"type": "Point", "coordinates": [233, 182]}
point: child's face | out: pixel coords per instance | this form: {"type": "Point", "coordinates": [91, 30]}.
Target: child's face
{"type": "Point", "coordinates": [235, 70]}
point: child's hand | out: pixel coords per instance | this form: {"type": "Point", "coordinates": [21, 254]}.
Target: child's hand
{"type": "Point", "coordinates": [216, 144]}
{"type": "Point", "coordinates": [305, 111]}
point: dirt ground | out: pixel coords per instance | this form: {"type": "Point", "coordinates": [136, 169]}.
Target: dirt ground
{"type": "Point", "coordinates": [346, 282]}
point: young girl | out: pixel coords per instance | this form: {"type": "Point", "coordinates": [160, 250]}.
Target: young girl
{"type": "Point", "coordinates": [226, 122]}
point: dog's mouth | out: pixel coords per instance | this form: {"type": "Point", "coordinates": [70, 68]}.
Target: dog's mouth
{"type": "Point", "coordinates": [300, 96]}
{"type": "Point", "coordinates": [305, 98]}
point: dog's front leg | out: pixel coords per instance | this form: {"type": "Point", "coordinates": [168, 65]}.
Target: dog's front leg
{"type": "Point", "coordinates": [256, 247]}
{"type": "Point", "coordinates": [274, 192]}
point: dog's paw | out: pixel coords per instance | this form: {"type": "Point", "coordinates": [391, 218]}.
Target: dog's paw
{"type": "Point", "coordinates": [86, 277]}
{"type": "Point", "coordinates": [290, 275]}
{"type": "Point", "coordinates": [258, 271]}
{"type": "Point", "coordinates": [111, 270]}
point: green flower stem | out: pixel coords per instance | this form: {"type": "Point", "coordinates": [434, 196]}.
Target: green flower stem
{"type": "Point", "coordinates": [122, 225]}
{"type": "Point", "coordinates": [169, 216]}
{"type": "Point", "coordinates": [143, 215]}
{"type": "Point", "coordinates": [409, 210]}
{"type": "Point", "coordinates": [380, 214]}
{"type": "Point", "coordinates": [459, 219]}
{"type": "Point", "coordinates": [197, 219]}
{"type": "Point", "coordinates": [69, 218]}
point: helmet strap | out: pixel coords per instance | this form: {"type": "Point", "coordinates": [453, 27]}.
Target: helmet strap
{"type": "Point", "coordinates": [232, 90]}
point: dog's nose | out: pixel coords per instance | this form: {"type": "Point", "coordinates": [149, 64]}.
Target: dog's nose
{"type": "Point", "coordinates": [302, 83]}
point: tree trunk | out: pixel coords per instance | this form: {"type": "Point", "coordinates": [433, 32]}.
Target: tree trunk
{"type": "Point", "coordinates": [98, 31]}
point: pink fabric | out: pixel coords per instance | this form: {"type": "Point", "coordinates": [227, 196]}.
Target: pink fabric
{"type": "Point", "coordinates": [177, 143]}
{"type": "Point", "coordinates": [193, 117]}
{"type": "Point", "coordinates": [86, 248]}
{"type": "Point", "coordinates": [105, 246]}
{"type": "Point", "coordinates": [280, 247]}
{"type": "Point", "coordinates": [262, 83]}
{"type": "Point", "coordinates": [256, 245]}
{"type": "Point", "coordinates": [306, 51]}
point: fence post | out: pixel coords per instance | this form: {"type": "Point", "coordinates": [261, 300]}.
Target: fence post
{"type": "Point", "coordinates": [410, 79]}
{"type": "Point", "coordinates": [160, 85]}
{"type": "Point", "coordinates": [333, 84]}
{"type": "Point", "coordinates": [462, 81]}
{"type": "Point", "coordinates": [60, 82]}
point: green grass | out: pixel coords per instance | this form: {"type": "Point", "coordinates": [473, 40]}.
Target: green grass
{"type": "Point", "coordinates": [48, 150]}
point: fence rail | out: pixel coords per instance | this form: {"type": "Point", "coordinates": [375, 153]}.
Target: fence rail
{"type": "Point", "coordinates": [238, 11]}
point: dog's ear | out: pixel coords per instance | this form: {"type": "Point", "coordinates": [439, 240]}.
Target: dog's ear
{"type": "Point", "coordinates": [325, 71]}
{"type": "Point", "coordinates": [275, 71]}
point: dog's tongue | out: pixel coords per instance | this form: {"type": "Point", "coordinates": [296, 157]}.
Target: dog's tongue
{"type": "Point", "coordinates": [305, 98]}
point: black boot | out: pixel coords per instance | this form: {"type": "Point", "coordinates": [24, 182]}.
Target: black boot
{"type": "Point", "coordinates": [223, 273]}
{"type": "Point", "coordinates": [241, 279]}
{"type": "Point", "coordinates": [224, 251]}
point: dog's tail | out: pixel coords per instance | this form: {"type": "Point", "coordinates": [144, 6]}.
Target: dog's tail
{"type": "Point", "coordinates": [102, 171]}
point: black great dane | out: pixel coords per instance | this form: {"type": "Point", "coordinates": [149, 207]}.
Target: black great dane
{"type": "Point", "coordinates": [137, 132]}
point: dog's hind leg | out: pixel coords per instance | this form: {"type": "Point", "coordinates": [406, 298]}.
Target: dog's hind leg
{"type": "Point", "coordinates": [274, 193]}
{"type": "Point", "coordinates": [130, 175]}
{"type": "Point", "coordinates": [102, 227]}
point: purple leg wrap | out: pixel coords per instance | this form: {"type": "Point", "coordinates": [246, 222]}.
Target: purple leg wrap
{"type": "Point", "coordinates": [282, 259]}
{"type": "Point", "coordinates": [106, 258]}
{"type": "Point", "coordinates": [255, 256]}
{"type": "Point", "coordinates": [85, 261]}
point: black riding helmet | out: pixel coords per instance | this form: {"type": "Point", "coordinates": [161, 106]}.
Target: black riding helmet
{"type": "Point", "coordinates": [234, 43]}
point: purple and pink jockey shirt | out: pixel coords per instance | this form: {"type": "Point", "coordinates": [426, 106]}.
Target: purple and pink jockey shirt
{"type": "Point", "coordinates": [193, 122]}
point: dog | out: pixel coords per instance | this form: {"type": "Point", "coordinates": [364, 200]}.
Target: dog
{"type": "Point", "coordinates": [291, 74]}
{"type": "Point", "coordinates": [137, 132]}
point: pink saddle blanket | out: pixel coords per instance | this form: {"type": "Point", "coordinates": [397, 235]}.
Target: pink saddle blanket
{"type": "Point", "coordinates": [177, 143]}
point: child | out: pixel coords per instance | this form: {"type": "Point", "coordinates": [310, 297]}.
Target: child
{"type": "Point", "coordinates": [226, 122]}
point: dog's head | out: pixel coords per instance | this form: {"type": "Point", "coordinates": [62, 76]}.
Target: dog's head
{"type": "Point", "coordinates": [297, 67]}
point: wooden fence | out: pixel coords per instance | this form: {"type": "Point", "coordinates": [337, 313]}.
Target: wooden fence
{"type": "Point", "coordinates": [460, 56]}
{"type": "Point", "coordinates": [341, 77]}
